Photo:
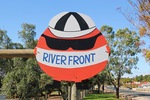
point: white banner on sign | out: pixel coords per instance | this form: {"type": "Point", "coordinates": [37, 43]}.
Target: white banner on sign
{"type": "Point", "coordinates": [71, 59]}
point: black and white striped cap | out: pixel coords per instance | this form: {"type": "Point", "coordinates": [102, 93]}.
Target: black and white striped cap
{"type": "Point", "coordinates": [71, 24]}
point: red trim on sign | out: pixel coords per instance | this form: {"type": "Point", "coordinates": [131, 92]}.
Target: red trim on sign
{"type": "Point", "coordinates": [73, 74]}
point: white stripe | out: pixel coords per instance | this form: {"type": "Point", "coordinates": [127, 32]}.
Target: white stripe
{"type": "Point", "coordinates": [88, 20]}
{"type": "Point", "coordinates": [72, 24]}
{"type": "Point", "coordinates": [71, 34]}
{"type": "Point", "coordinates": [71, 59]}
{"type": "Point", "coordinates": [72, 27]}
{"type": "Point", "coordinates": [55, 19]}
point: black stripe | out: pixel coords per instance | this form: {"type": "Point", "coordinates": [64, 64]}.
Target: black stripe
{"type": "Point", "coordinates": [81, 21]}
{"type": "Point", "coordinates": [61, 22]}
{"type": "Point", "coordinates": [60, 25]}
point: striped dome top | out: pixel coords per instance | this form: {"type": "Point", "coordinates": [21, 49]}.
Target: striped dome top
{"type": "Point", "coordinates": [71, 24]}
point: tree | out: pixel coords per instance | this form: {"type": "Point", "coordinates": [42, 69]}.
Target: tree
{"type": "Point", "coordinates": [23, 80]}
{"type": "Point", "coordinates": [139, 78]}
{"type": "Point", "coordinates": [140, 18]}
{"type": "Point", "coordinates": [147, 78]}
{"type": "Point", "coordinates": [22, 75]}
{"type": "Point", "coordinates": [43, 82]}
{"type": "Point", "coordinates": [27, 34]}
{"type": "Point", "coordinates": [99, 80]}
{"type": "Point", "coordinates": [123, 55]}
{"type": "Point", "coordinates": [5, 41]}
{"type": "Point", "coordinates": [143, 78]}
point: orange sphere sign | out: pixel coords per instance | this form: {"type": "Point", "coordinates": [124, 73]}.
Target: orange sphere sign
{"type": "Point", "coordinates": [71, 48]}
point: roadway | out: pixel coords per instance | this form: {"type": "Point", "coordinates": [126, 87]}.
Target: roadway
{"type": "Point", "coordinates": [127, 94]}
{"type": "Point", "coordinates": [135, 95]}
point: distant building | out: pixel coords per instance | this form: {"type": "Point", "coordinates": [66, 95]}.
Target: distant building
{"type": "Point", "coordinates": [144, 85]}
{"type": "Point", "coordinates": [136, 83]}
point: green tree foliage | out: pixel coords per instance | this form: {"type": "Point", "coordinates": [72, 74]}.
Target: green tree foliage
{"type": "Point", "coordinates": [43, 81]}
{"type": "Point", "coordinates": [21, 80]}
{"type": "Point", "coordinates": [142, 78]}
{"type": "Point", "coordinates": [22, 77]}
{"type": "Point", "coordinates": [123, 55]}
{"type": "Point", "coordinates": [129, 82]}
{"type": "Point", "coordinates": [27, 34]}
{"type": "Point", "coordinates": [5, 41]}
{"type": "Point", "coordinates": [6, 65]}
{"type": "Point", "coordinates": [146, 78]}
{"type": "Point", "coordinates": [25, 80]}
{"type": "Point", "coordinates": [125, 80]}
{"type": "Point", "coordinates": [99, 80]}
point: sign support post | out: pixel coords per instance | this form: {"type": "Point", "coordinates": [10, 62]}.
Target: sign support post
{"type": "Point", "coordinates": [73, 91]}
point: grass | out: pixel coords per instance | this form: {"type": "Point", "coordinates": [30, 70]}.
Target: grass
{"type": "Point", "coordinates": [102, 96]}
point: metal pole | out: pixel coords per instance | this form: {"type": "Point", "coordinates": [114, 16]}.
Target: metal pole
{"type": "Point", "coordinates": [10, 53]}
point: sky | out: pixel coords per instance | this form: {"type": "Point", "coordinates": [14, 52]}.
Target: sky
{"type": "Point", "coordinates": [13, 13]}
